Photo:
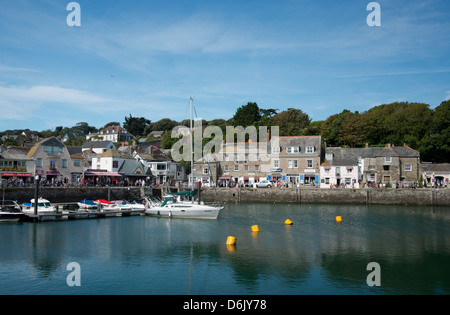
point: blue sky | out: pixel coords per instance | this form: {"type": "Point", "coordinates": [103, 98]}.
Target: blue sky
{"type": "Point", "coordinates": [146, 58]}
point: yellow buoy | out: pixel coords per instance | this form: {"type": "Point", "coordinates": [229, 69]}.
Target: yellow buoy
{"type": "Point", "coordinates": [255, 228]}
{"type": "Point", "coordinates": [288, 222]}
{"type": "Point", "coordinates": [338, 219]}
{"type": "Point", "coordinates": [231, 240]}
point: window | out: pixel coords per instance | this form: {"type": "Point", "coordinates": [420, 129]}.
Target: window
{"type": "Point", "coordinates": [246, 168]}
{"type": "Point", "coordinates": [408, 168]}
{"type": "Point", "coordinates": [309, 163]}
{"type": "Point", "coordinates": [76, 163]}
{"type": "Point", "coordinates": [388, 159]}
{"type": "Point", "coordinates": [236, 167]}
{"type": "Point", "coordinates": [64, 163]}
{"type": "Point", "coordinates": [52, 164]}
{"type": "Point", "coordinates": [327, 180]}
{"type": "Point", "coordinates": [115, 164]}
{"type": "Point", "coordinates": [386, 167]}
{"type": "Point", "coordinates": [205, 170]}
{"type": "Point", "coordinates": [39, 162]}
{"type": "Point", "coordinates": [52, 150]}
{"type": "Point", "coordinates": [275, 149]}
{"type": "Point", "coordinates": [225, 168]}
{"type": "Point", "coordinates": [257, 168]}
{"type": "Point", "coordinates": [292, 164]}
{"type": "Point", "coordinates": [276, 163]}
{"type": "Point", "coordinates": [227, 157]}
{"type": "Point", "coordinates": [159, 166]}
{"type": "Point", "coordinates": [309, 150]}
{"type": "Point", "coordinates": [289, 149]}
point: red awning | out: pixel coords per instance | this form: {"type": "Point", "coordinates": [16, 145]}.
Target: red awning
{"type": "Point", "coordinates": [102, 174]}
{"type": "Point", "coordinates": [16, 174]}
{"type": "Point", "coordinates": [225, 177]}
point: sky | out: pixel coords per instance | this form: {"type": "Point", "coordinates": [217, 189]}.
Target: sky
{"type": "Point", "coordinates": [147, 58]}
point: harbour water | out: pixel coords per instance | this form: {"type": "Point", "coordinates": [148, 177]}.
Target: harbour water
{"type": "Point", "coordinates": [315, 255]}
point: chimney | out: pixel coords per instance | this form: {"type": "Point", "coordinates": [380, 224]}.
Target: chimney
{"type": "Point", "coordinates": [367, 144]}
{"type": "Point", "coordinates": [388, 145]}
{"type": "Point", "coordinates": [268, 136]}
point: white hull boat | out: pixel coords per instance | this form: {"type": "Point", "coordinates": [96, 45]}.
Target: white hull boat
{"type": "Point", "coordinates": [10, 211]}
{"type": "Point", "coordinates": [175, 208]}
{"type": "Point", "coordinates": [44, 208]}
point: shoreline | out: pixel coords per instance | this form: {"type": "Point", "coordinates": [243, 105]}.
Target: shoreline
{"type": "Point", "coordinates": [386, 196]}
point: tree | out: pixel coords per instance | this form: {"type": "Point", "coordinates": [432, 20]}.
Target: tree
{"type": "Point", "coordinates": [135, 125]}
{"type": "Point", "coordinates": [84, 127]}
{"type": "Point", "coordinates": [434, 146]}
{"type": "Point", "coordinates": [291, 122]}
{"type": "Point", "coordinates": [332, 126]}
{"type": "Point", "coordinates": [352, 130]}
{"type": "Point", "coordinates": [247, 115]}
{"type": "Point", "coordinates": [164, 124]}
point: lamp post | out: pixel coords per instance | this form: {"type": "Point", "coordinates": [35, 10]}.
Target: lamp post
{"type": "Point", "coordinates": [36, 194]}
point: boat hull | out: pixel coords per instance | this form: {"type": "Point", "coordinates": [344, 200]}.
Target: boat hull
{"type": "Point", "coordinates": [210, 213]}
{"type": "Point", "coordinates": [11, 217]}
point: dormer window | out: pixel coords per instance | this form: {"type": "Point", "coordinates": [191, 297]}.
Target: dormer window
{"type": "Point", "coordinates": [309, 150]}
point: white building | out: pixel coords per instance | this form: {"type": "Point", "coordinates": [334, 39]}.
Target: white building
{"type": "Point", "coordinates": [161, 166]}
{"type": "Point", "coordinates": [341, 168]}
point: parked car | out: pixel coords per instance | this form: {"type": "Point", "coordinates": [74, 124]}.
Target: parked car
{"type": "Point", "coordinates": [264, 183]}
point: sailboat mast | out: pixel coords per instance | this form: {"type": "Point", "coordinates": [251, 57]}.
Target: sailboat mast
{"type": "Point", "coordinates": [192, 147]}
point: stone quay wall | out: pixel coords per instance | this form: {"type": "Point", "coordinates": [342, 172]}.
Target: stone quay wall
{"type": "Point", "coordinates": [75, 194]}
{"type": "Point", "coordinates": [420, 197]}
{"type": "Point", "coordinates": [425, 197]}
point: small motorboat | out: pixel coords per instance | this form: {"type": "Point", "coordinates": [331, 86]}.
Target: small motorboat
{"type": "Point", "coordinates": [87, 205]}
{"type": "Point", "coordinates": [10, 211]}
{"type": "Point", "coordinates": [126, 205]}
{"type": "Point", "coordinates": [107, 205]}
{"type": "Point", "coordinates": [44, 207]}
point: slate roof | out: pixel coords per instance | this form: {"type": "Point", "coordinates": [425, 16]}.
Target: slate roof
{"type": "Point", "coordinates": [436, 167]}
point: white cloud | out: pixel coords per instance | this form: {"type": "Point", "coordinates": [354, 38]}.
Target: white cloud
{"type": "Point", "coordinates": [23, 103]}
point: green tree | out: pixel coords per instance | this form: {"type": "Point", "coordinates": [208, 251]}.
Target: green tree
{"type": "Point", "coordinates": [164, 124]}
{"type": "Point", "coordinates": [435, 145]}
{"type": "Point", "coordinates": [135, 125]}
{"type": "Point", "coordinates": [331, 127]}
{"type": "Point", "coordinates": [291, 122]}
{"type": "Point", "coordinates": [247, 115]}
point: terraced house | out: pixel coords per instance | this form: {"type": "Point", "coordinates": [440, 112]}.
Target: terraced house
{"type": "Point", "coordinates": [54, 162]}
{"type": "Point", "coordinates": [295, 159]}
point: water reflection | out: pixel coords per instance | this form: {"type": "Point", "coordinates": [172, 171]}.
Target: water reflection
{"type": "Point", "coordinates": [143, 255]}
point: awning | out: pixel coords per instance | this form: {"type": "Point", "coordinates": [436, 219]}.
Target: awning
{"type": "Point", "coordinates": [225, 177]}
{"type": "Point", "coordinates": [102, 174]}
{"type": "Point", "coordinates": [16, 174]}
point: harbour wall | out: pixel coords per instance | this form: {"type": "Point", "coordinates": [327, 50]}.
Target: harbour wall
{"type": "Point", "coordinates": [420, 197]}
{"type": "Point", "coordinates": [76, 194]}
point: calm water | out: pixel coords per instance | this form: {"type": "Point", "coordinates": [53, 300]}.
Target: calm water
{"type": "Point", "coordinates": [316, 255]}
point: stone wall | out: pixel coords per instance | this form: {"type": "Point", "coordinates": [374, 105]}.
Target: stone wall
{"type": "Point", "coordinates": [419, 197]}
{"type": "Point", "coordinates": [69, 195]}
{"type": "Point", "coordinates": [314, 195]}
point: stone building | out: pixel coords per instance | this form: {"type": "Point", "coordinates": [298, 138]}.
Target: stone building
{"type": "Point", "coordinates": [54, 162]}
{"type": "Point", "coordinates": [295, 159]}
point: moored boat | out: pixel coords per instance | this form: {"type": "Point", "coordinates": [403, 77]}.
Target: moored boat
{"type": "Point", "coordinates": [87, 205]}
{"type": "Point", "coordinates": [174, 207]}
{"type": "Point", "coordinates": [44, 207]}
{"type": "Point", "coordinates": [10, 211]}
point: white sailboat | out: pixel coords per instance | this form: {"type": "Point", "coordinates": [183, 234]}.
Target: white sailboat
{"type": "Point", "coordinates": [174, 206]}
